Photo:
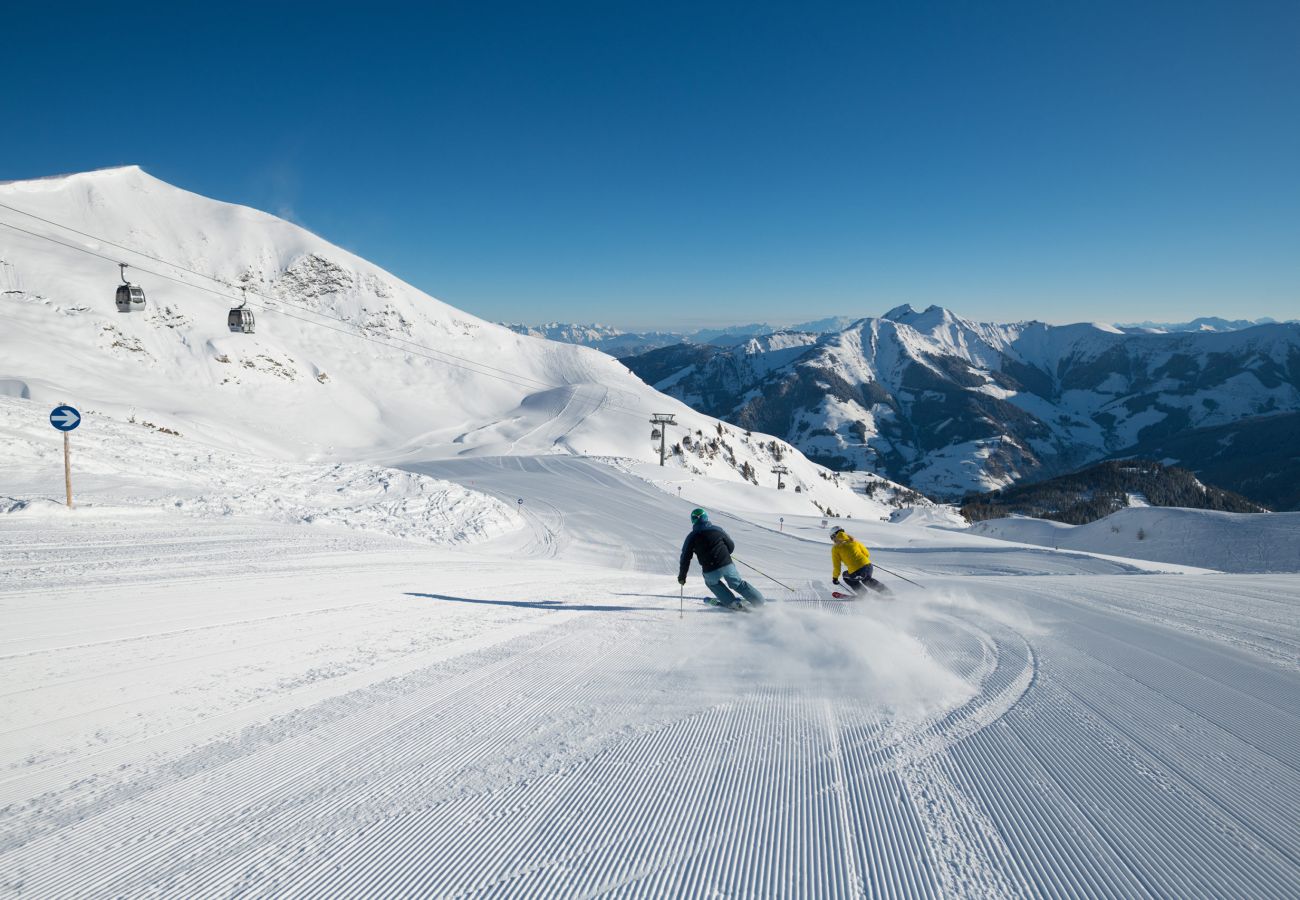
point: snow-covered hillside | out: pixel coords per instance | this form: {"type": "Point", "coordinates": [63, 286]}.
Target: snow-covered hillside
{"type": "Point", "coordinates": [1229, 542]}
{"type": "Point", "coordinates": [133, 465]}
{"type": "Point", "coordinates": [347, 363]}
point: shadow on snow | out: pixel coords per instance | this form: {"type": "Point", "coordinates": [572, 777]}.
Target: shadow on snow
{"type": "Point", "coordinates": [539, 604]}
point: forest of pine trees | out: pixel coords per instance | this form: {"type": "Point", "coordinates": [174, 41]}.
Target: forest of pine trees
{"type": "Point", "coordinates": [1098, 491]}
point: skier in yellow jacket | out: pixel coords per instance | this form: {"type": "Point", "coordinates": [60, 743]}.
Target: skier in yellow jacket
{"type": "Point", "coordinates": [855, 560]}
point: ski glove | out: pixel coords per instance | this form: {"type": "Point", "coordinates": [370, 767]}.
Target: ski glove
{"type": "Point", "coordinates": [681, 580]}
{"type": "Point", "coordinates": [835, 581]}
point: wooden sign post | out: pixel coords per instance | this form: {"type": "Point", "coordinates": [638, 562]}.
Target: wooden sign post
{"type": "Point", "coordinates": [65, 418]}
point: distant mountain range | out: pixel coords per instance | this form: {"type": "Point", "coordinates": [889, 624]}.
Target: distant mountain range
{"type": "Point", "coordinates": [1205, 323]}
{"type": "Point", "coordinates": [601, 337]}
{"type": "Point", "coordinates": [624, 343]}
{"type": "Point", "coordinates": [951, 406]}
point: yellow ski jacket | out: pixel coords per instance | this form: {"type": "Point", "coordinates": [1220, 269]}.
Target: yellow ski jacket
{"type": "Point", "coordinates": [849, 553]}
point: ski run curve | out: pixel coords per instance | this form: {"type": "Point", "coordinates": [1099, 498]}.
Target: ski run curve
{"type": "Point", "coordinates": [218, 707]}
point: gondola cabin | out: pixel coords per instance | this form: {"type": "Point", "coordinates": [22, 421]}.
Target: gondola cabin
{"type": "Point", "coordinates": [130, 298]}
{"type": "Point", "coordinates": [240, 320]}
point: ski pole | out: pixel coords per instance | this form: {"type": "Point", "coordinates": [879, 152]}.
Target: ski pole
{"type": "Point", "coordinates": [896, 575]}
{"type": "Point", "coordinates": [761, 572]}
{"type": "Point", "coordinates": [681, 601]}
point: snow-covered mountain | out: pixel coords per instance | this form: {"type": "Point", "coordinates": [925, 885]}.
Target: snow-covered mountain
{"type": "Point", "coordinates": [1204, 323]}
{"type": "Point", "coordinates": [627, 343]}
{"type": "Point", "coordinates": [347, 362]}
{"type": "Point", "coordinates": [567, 333]}
{"type": "Point", "coordinates": [601, 337]}
{"type": "Point", "coordinates": [949, 405]}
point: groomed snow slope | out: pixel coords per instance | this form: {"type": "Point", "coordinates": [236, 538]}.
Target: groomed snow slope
{"type": "Point", "coordinates": [202, 708]}
{"type": "Point", "coordinates": [1229, 542]}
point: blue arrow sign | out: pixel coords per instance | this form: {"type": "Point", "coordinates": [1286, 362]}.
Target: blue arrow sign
{"type": "Point", "coordinates": [65, 418]}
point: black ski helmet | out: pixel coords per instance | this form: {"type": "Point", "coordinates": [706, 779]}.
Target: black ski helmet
{"type": "Point", "coordinates": [699, 515]}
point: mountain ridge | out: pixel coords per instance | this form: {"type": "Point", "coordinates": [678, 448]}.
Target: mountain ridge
{"type": "Point", "coordinates": [617, 341]}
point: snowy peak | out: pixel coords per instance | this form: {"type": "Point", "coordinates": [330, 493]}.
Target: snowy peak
{"type": "Point", "coordinates": [779, 340]}
{"type": "Point", "coordinates": [932, 318]}
{"type": "Point", "coordinates": [901, 313]}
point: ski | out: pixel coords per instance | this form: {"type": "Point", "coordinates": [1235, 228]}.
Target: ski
{"type": "Point", "coordinates": [842, 591]}
{"type": "Point", "coordinates": [882, 592]}
{"type": "Point", "coordinates": [885, 594]}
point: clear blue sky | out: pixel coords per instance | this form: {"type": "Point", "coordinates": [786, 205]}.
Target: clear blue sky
{"type": "Point", "coordinates": [680, 164]}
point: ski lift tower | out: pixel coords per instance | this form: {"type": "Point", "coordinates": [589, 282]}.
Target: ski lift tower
{"type": "Point", "coordinates": [661, 421]}
{"type": "Point", "coordinates": [778, 471]}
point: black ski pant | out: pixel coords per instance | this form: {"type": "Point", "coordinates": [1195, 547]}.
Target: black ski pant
{"type": "Point", "coordinates": [862, 578]}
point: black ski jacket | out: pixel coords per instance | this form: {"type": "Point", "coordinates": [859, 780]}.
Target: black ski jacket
{"type": "Point", "coordinates": [711, 546]}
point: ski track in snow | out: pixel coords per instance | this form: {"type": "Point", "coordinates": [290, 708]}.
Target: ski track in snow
{"type": "Point", "coordinates": [344, 714]}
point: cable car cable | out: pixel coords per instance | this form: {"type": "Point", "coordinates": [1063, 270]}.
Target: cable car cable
{"type": "Point", "coordinates": [470, 365]}
{"type": "Point", "coordinates": [216, 280]}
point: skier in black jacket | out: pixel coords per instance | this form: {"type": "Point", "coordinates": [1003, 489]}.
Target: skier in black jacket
{"type": "Point", "coordinates": [712, 547]}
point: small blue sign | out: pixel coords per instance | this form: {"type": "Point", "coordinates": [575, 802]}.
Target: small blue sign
{"type": "Point", "coordinates": [65, 418]}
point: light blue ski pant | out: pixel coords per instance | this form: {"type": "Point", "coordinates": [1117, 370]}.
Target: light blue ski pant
{"type": "Point", "coordinates": [731, 576]}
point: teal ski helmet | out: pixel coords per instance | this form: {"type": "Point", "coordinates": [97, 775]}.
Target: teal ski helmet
{"type": "Point", "coordinates": [699, 515]}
